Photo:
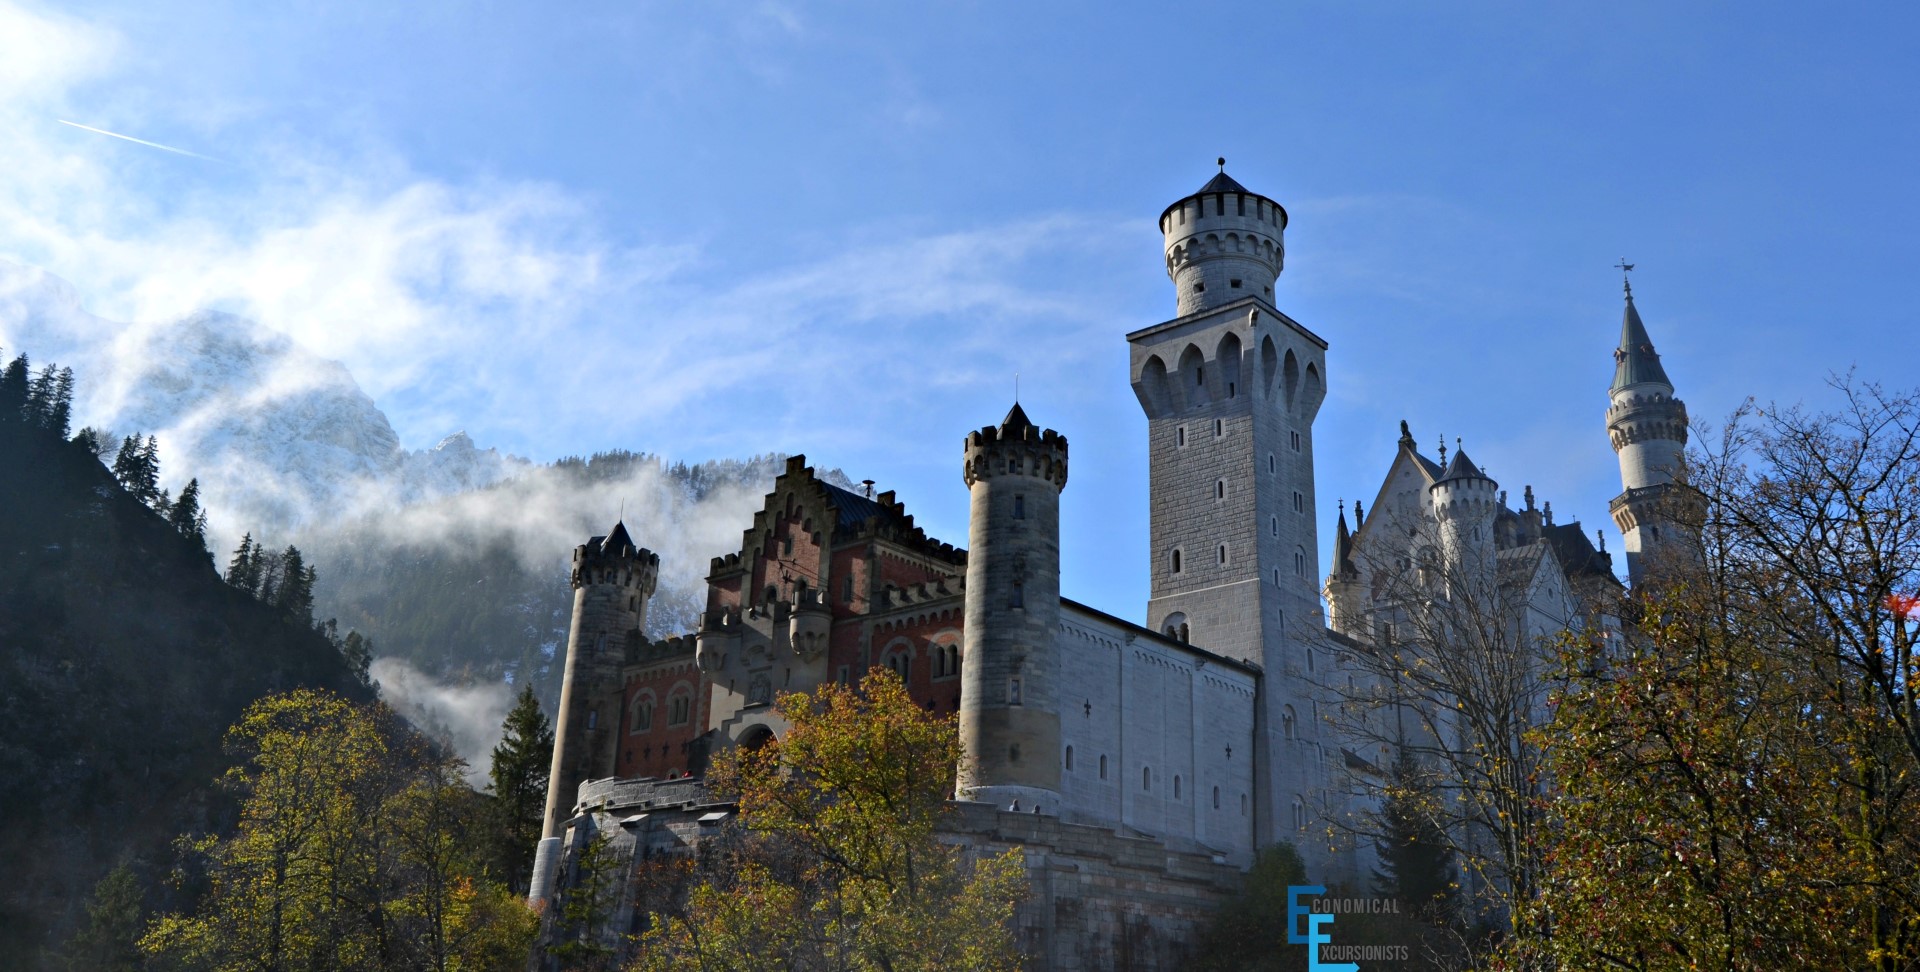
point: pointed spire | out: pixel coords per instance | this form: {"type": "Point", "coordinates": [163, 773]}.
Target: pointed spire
{"type": "Point", "coordinates": [1461, 468]}
{"type": "Point", "coordinates": [1016, 419]}
{"type": "Point", "coordinates": [1343, 548]}
{"type": "Point", "coordinates": [1634, 361]}
{"type": "Point", "coordinates": [618, 538]}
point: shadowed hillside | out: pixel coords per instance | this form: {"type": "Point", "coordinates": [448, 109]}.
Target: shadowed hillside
{"type": "Point", "coordinates": [123, 658]}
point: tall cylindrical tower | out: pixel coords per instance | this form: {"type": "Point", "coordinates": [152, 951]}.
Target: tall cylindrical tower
{"type": "Point", "coordinates": [1009, 692]}
{"type": "Point", "coordinates": [612, 580]}
{"type": "Point", "coordinates": [1647, 426]}
{"type": "Point", "coordinates": [1223, 243]}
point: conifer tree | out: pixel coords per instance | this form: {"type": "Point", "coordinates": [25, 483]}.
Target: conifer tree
{"type": "Point", "coordinates": [96, 440]}
{"type": "Point", "coordinates": [295, 593]}
{"type": "Point", "coordinates": [59, 417]}
{"type": "Point", "coordinates": [15, 390]}
{"type": "Point", "coordinates": [148, 483]}
{"type": "Point", "coordinates": [40, 396]}
{"type": "Point", "coordinates": [357, 649]}
{"type": "Point", "coordinates": [243, 571]}
{"type": "Point", "coordinates": [1416, 861]}
{"type": "Point", "coordinates": [520, 766]}
{"type": "Point", "coordinates": [186, 517]}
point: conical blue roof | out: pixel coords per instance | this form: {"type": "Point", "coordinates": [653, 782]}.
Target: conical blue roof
{"type": "Point", "coordinates": [1634, 361]}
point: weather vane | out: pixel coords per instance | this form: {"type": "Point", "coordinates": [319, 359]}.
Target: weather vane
{"type": "Point", "coordinates": [1625, 268]}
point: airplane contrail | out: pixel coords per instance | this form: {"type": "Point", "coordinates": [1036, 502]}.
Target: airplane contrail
{"type": "Point", "coordinates": [140, 141]}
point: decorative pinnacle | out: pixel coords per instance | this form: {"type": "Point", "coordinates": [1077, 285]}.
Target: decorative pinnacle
{"type": "Point", "coordinates": [1223, 164]}
{"type": "Point", "coordinates": [1625, 268]}
{"type": "Point", "coordinates": [1443, 450]}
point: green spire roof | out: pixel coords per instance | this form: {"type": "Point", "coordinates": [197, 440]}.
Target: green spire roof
{"type": "Point", "coordinates": [1634, 361]}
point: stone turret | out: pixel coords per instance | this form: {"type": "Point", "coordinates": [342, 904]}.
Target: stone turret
{"type": "Point", "coordinates": [1223, 243]}
{"type": "Point", "coordinates": [1009, 693]}
{"type": "Point", "coordinates": [1465, 503]}
{"type": "Point", "coordinates": [1647, 426]}
{"type": "Point", "coordinates": [612, 581]}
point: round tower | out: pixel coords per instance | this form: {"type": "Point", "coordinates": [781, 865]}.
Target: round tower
{"type": "Point", "coordinates": [612, 580]}
{"type": "Point", "coordinates": [1647, 426]}
{"type": "Point", "coordinates": [1465, 504]}
{"type": "Point", "coordinates": [1009, 693]}
{"type": "Point", "coordinates": [1223, 243]}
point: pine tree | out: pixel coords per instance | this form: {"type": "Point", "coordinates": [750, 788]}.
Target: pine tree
{"type": "Point", "coordinates": [126, 462]}
{"type": "Point", "coordinates": [96, 440]}
{"type": "Point", "coordinates": [243, 571]}
{"type": "Point", "coordinates": [186, 517]}
{"type": "Point", "coordinates": [295, 594]}
{"type": "Point", "coordinates": [59, 418]}
{"type": "Point", "coordinates": [357, 649]}
{"type": "Point", "coordinates": [40, 396]}
{"type": "Point", "coordinates": [521, 763]}
{"type": "Point", "coordinates": [147, 482]}
{"type": "Point", "coordinates": [1416, 860]}
{"type": "Point", "coordinates": [109, 940]}
{"type": "Point", "coordinates": [15, 389]}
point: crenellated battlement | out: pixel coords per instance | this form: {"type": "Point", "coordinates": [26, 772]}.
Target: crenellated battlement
{"type": "Point", "coordinates": [1016, 447]}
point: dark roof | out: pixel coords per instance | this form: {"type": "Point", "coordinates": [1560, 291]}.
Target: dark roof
{"type": "Point", "coordinates": [854, 509]}
{"type": "Point", "coordinates": [1222, 183]}
{"type": "Point", "coordinates": [1462, 468]}
{"type": "Point", "coordinates": [1635, 361]}
{"type": "Point", "coordinates": [1576, 550]}
{"type": "Point", "coordinates": [1016, 419]}
{"type": "Point", "coordinates": [618, 538]}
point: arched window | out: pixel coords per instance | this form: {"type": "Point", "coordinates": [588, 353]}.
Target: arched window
{"type": "Point", "coordinates": [1219, 426]}
{"type": "Point", "coordinates": [900, 662]}
{"type": "Point", "coordinates": [640, 713]}
{"type": "Point", "coordinates": [680, 705]}
{"type": "Point", "coordinates": [1222, 552]}
{"type": "Point", "coordinates": [1176, 787]}
{"type": "Point", "coordinates": [1103, 766]}
{"type": "Point", "coordinates": [1069, 759]}
{"type": "Point", "coordinates": [1299, 814]}
{"type": "Point", "coordinates": [1220, 489]}
{"type": "Point", "coordinates": [1146, 778]}
{"type": "Point", "coordinates": [1287, 721]}
{"type": "Point", "coordinates": [1216, 798]}
{"type": "Point", "coordinates": [1299, 564]}
{"type": "Point", "coordinates": [1173, 561]}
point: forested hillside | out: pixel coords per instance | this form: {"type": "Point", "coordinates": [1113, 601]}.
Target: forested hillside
{"type": "Point", "coordinates": [124, 657]}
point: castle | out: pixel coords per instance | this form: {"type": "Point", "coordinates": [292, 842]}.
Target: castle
{"type": "Point", "coordinates": [1141, 766]}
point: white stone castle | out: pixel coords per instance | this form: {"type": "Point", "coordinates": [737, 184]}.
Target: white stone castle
{"type": "Point", "coordinates": [1142, 766]}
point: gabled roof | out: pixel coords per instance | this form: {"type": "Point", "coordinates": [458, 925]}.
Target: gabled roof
{"type": "Point", "coordinates": [1634, 361]}
{"type": "Point", "coordinates": [853, 508]}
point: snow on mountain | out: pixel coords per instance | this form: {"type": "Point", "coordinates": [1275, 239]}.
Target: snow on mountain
{"type": "Point", "coordinates": [279, 437]}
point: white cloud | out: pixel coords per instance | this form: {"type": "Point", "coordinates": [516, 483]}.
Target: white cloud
{"type": "Point", "coordinates": [42, 53]}
{"type": "Point", "coordinates": [466, 717]}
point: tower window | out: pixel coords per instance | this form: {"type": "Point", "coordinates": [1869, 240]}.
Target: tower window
{"type": "Point", "coordinates": [1223, 554]}
{"type": "Point", "coordinates": [1216, 798]}
{"type": "Point", "coordinates": [1273, 525]}
{"type": "Point", "coordinates": [1173, 561]}
{"type": "Point", "coordinates": [1287, 722]}
{"type": "Point", "coordinates": [1013, 692]}
{"type": "Point", "coordinates": [1235, 284]}
{"type": "Point", "coordinates": [1276, 577]}
{"type": "Point", "coordinates": [1299, 564]}
{"type": "Point", "coordinates": [1176, 787]}
{"type": "Point", "coordinates": [1230, 389]}
{"type": "Point", "coordinates": [1219, 428]}
{"type": "Point", "coordinates": [1019, 506]}
{"type": "Point", "coordinates": [1299, 502]}
{"type": "Point", "coordinates": [1069, 759]}
{"type": "Point", "coordinates": [1019, 598]}
{"type": "Point", "coordinates": [1200, 376]}
{"type": "Point", "coordinates": [1146, 778]}
{"type": "Point", "coordinates": [786, 546]}
{"type": "Point", "coordinates": [846, 593]}
{"type": "Point", "coordinates": [1103, 766]}
{"type": "Point", "coordinates": [1180, 437]}
{"type": "Point", "coordinates": [1220, 489]}
{"type": "Point", "coordinates": [1199, 288]}
{"type": "Point", "coordinates": [1294, 437]}
{"type": "Point", "coordinates": [1272, 466]}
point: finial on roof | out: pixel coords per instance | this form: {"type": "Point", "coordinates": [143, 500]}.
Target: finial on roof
{"type": "Point", "coordinates": [1529, 495]}
{"type": "Point", "coordinates": [1443, 451]}
{"type": "Point", "coordinates": [1223, 163]}
{"type": "Point", "coordinates": [1546, 510]}
{"type": "Point", "coordinates": [1359, 517]}
{"type": "Point", "coordinates": [1625, 268]}
{"type": "Point", "coordinates": [1016, 388]}
{"type": "Point", "coordinates": [1503, 497]}
{"type": "Point", "coordinates": [1601, 535]}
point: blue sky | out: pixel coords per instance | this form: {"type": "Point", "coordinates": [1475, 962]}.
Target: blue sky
{"type": "Point", "coordinates": [840, 228]}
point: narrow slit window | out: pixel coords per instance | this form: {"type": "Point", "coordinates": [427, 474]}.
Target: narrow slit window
{"type": "Point", "coordinates": [1019, 506]}
{"type": "Point", "coordinates": [1223, 554]}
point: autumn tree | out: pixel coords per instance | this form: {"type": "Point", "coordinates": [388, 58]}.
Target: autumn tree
{"type": "Point", "coordinates": [352, 852]}
{"type": "Point", "coordinates": [840, 867]}
{"type": "Point", "coordinates": [109, 939]}
{"type": "Point", "coordinates": [1739, 777]}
